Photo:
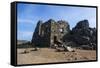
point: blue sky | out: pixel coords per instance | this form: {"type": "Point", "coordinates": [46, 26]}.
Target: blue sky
{"type": "Point", "coordinates": [29, 14]}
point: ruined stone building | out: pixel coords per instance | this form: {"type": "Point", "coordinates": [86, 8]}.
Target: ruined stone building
{"type": "Point", "coordinates": [51, 32]}
{"type": "Point", "coordinates": [47, 32]}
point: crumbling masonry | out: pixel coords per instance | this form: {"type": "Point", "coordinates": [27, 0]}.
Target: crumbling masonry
{"type": "Point", "coordinates": [46, 33]}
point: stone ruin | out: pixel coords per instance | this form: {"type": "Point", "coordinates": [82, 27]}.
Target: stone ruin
{"type": "Point", "coordinates": [48, 32]}
{"type": "Point", "coordinates": [52, 32]}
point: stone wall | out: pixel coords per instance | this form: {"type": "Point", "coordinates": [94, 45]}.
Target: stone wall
{"type": "Point", "coordinates": [45, 33]}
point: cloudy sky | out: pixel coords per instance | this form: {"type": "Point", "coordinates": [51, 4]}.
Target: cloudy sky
{"type": "Point", "coordinates": [29, 14]}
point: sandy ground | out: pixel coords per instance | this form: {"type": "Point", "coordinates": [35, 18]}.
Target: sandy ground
{"type": "Point", "coordinates": [48, 55]}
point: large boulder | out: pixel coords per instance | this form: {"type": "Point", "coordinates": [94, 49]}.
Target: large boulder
{"type": "Point", "coordinates": [82, 24]}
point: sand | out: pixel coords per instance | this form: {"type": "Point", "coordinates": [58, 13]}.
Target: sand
{"type": "Point", "coordinates": [48, 55]}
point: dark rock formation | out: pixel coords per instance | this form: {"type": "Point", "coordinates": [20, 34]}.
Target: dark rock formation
{"type": "Point", "coordinates": [82, 34]}
{"type": "Point", "coordinates": [36, 35]}
{"type": "Point", "coordinates": [82, 24]}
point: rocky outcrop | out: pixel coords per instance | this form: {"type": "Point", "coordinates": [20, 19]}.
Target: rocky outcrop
{"type": "Point", "coordinates": [82, 34]}
{"type": "Point", "coordinates": [51, 32]}
{"type": "Point", "coordinates": [36, 34]}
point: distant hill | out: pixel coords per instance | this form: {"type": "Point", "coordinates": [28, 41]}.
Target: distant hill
{"type": "Point", "coordinates": [21, 41]}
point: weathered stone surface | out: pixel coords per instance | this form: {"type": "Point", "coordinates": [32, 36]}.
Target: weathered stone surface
{"type": "Point", "coordinates": [82, 24]}
{"type": "Point", "coordinates": [36, 35]}
{"type": "Point", "coordinates": [50, 31]}
{"type": "Point", "coordinates": [82, 34]}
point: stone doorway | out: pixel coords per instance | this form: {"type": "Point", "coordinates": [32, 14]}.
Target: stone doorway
{"type": "Point", "coordinates": [55, 39]}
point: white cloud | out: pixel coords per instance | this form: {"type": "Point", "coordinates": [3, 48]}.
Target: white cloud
{"type": "Point", "coordinates": [24, 35]}
{"type": "Point", "coordinates": [92, 22]}
{"type": "Point", "coordinates": [25, 21]}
